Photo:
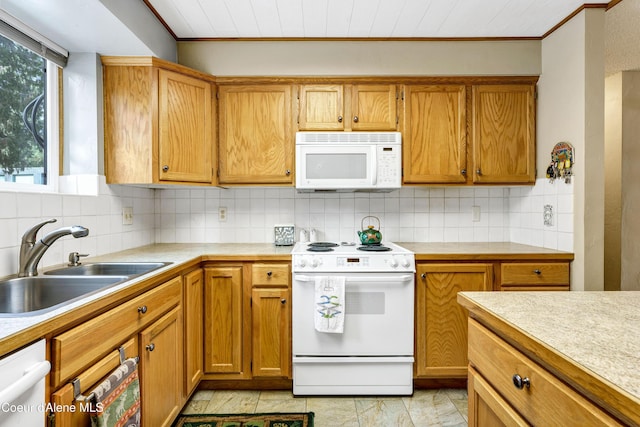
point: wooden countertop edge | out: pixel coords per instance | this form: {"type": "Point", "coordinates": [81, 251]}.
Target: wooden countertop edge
{"type": "Point", "coordinates": [494, 257]}
{"type": "Point", "coordinates": [604, 393]}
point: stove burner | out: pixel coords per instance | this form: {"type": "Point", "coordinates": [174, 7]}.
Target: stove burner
{"type": "Point", "coordinates": [374, 248]}
{"type": "Point", "coordinates": [323, 245]}
{"type": "Point", "coordinates": [319, 249]}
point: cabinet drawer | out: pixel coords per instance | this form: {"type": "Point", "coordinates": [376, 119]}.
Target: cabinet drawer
{"type": "Point", "coordinates": [80, 347]}
{"type": "Point", "coordinates": [535, 274]}
{"type": "Point", "coordinates": [270, 274]}
{"type": "Point", "coordinates": [546, 401]}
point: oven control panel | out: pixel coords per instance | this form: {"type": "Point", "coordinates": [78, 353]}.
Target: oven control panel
{"type": "Point", "coordinates": [346, 263]}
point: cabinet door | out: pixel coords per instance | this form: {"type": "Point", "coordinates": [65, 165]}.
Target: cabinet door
{"type": "Point", "coordinates": [193, 329]}
{"type": "Point", "coordinates": [503, 134]}
{"type": "Point", "coordinates": [487, 408]}
{"type": "Point", "coordinates": [441, 323]}
{"type": "Point", "coordinates": [271, 332]}
{"type": "Point", "coordinates": [256, 138]}
{"type": "Point", "coordinates": [185, 133]}
{"type": "Point", "coordinates": [373, 108]}
{"type": "Point", "coordinates": [161, 370]}
{"type": "Point", "coordinates": [223, 321]}
{"type": "Point", "coordinates": [321, 107]}
{"type": "Point", "coordinates": [435, 136]}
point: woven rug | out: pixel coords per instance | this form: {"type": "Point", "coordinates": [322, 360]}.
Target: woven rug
{"type": "Point", "coordinates": [246, 420]}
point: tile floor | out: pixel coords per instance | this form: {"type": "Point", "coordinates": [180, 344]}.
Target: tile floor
{"type": "Point", "coordinates": [443, 407]}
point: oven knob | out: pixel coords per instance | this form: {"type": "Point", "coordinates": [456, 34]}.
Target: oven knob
{"type": "Point", "coordinates": [393, 262]}
{"type": "Point", "coordinates": [405, 262]}
{"type": "Point", "coordinates": [301, 262]}
{"type": "Point", "coordinates": [315, 262]}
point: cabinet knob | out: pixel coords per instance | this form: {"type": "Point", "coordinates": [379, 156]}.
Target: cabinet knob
{"type": "Point", "coordinates": [339, 119]}
{"type": "Point", "coordinates": [269, 273]}
{"type": "Point", "coordinates": [355, 119]}
{"type": "Point", "coordinates": [520, 382]}
{"type": "Point", "coordinates": [165, 168]}
{"type": "Point", "coordinates": [479, 171]}
{"type": "Point", "coordinates": [142, 310]}
{"type": "Point", "coordinates": [287, 172]}
{"type": "Point", "coordinates": [538, 272]}
{"type": "Point", "coordinates": [423, 276]}
{"type": "Point", "coordinates": [151, 347]}
{"type": "Point", "coordinates": [463, 171]}
{"type": "Point", "coordinates": [283, 301]}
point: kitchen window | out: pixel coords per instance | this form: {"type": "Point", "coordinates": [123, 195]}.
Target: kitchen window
{"type": "Point", "coordinates": [29, 124]}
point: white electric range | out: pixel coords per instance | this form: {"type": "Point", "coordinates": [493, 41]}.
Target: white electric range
{"type": "Point", "coordinates": [372, 352]}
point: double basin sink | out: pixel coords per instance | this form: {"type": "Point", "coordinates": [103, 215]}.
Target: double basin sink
{"type": "Point", "coordinates": [28, 296]}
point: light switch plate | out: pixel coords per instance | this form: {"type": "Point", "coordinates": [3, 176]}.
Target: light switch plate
{"type": "Point", "coordinates": [127, 216]}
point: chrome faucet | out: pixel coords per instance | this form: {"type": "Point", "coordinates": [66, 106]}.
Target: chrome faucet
{"type": "Point", "coordinates": [31, 251]}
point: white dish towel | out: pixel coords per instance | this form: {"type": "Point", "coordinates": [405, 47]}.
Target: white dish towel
{"type": "Point", "coordinates": [329, 300]}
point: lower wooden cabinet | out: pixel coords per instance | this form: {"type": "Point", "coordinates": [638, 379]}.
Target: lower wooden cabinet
{"type": "Point", "coordinates": [193, 310]}
{"type": "Point", "coordinates": [534, 276]}
{"type": "Point", "coordinates": [224, 327]}
{"type": "Point", "coordinates": [271, 334]}
{"type": "Point", "coordinates": [247, 321]}
{"type": "Point", "coordinates": [487, 407]}
{"type": "Point", "coordinates": [161, 370]}
{"type": "Point", "coordinates": [507, 388]}
{"type": "Point", "coordinates": [441, 324]}
{"type": "Point", "coordinates": [148, 326]}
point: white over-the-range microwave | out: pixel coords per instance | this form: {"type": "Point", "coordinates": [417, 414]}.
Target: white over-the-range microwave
{"type": "Point", "coordinates": [348, 161]}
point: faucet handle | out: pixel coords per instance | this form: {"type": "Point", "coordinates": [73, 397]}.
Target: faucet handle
{"type": "Point", "coordinates": [74, 259]}
{"type": "Point", "coordinates": [30, 235]}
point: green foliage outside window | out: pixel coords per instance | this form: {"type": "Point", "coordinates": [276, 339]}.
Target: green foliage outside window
{"type": "Point", "coordinates": [22, 110]}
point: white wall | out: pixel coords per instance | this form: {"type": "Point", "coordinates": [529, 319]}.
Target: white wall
{"type": "Point", "coordinates": [571, 108]}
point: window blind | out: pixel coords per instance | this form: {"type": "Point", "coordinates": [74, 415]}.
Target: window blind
{"type": "Point", "coordinates": [20, 33]}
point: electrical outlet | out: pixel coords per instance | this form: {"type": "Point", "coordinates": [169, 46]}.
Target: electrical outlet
{"type": "Point", "coordinates": [222, 214]}
{"type": "Point", "coordinates": [547, 215]}
{"type": "Point", "coordinates": [127, 216]}
{"type": "Point", "coordinates": [475, 213]}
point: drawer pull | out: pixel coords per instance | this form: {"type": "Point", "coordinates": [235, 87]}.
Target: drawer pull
{"type": "Point", "coordinates": [269, 273]}
{"type": "Point", "coordinates": [283, 301]}
{"type": "Point", "coordinates": [423, 276]}
{"type": "Point", "coordinates": [520, 382]}
{"type": "Point", "coordinates": [151, 347]}
{"type": "Point", "coordinates": [538, 272]}
{"type": "Point", "coordinates": [142, 310]}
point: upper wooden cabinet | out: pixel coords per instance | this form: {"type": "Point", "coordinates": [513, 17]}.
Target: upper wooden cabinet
{"type": "Point", "coordinates": [503, 135]}
{"type": "Point", "coordinates": [158, 122]}
{"type": "Point", "coordinates": [469, 134]}
{"type": "Point", "coordinates": [256, 138]}
{"type": "Point", "coordinates": [435, 136]}
{"type": "Point", "coordinates": [357, 107]}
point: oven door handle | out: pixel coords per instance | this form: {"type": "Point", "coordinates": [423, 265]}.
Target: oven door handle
{"type": "Point", "coordinates": [356, 279]}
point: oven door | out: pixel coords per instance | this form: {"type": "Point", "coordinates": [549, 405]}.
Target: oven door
{"type": "Point", "coordinates": [378, 316]}
{"type": "Point", "coordinates": [335, 166]}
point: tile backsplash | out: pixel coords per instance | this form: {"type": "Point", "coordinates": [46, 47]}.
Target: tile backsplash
{"type": "Point", "coordinates": [101, 214]}
{"type": "Point", "coordinates": [181, 215]}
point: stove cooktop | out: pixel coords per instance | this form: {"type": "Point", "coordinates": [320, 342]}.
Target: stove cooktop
{"type": "Point", "coordinates": [339, 257]}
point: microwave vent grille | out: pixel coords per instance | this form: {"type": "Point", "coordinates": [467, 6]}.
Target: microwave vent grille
{"type": "Point", "coordinates": [348, 137]}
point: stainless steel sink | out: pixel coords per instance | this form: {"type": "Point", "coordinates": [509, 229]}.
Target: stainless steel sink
{"type": "Point", "coordinates": [29, 296]}
{"type": "Point", "coordinates": [109, 269]}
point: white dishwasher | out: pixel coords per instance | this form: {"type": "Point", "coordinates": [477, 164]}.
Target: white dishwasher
{"type": "Point", "coordinates": [22, 386]}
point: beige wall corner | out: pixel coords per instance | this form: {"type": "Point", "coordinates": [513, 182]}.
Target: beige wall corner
{"type": "Point", "coordinates": [571, 108]}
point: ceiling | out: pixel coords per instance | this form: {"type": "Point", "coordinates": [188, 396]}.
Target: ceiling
{"type": "Point", "coordinates": [210, 19]}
